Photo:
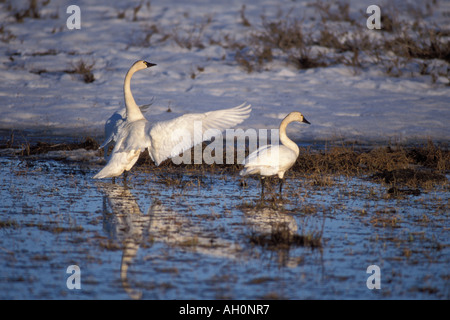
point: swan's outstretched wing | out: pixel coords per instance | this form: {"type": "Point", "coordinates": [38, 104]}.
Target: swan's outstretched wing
{"type": "Point", "coordinates": [170, 138]}
{"type": "Point", "coordinates": [112, 128]}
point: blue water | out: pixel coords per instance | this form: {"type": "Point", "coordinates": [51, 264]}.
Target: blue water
{"type": "Point", "coordinates": [187, 235]}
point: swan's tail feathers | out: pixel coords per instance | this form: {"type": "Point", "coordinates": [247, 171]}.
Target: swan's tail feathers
{"type": "Point", "coordinates": [118, 163]}
{"type": "Point", "coordinates": [249, 170]}
{"type": "Point", "coordinates": [107, 172]}
{"type": "Point", "coordinates": [243, 172]}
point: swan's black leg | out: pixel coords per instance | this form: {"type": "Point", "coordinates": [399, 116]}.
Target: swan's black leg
{"type": "Point", "coordinates": [114, 180]}
{"type": "Point", "coordinates": [262, 187]}
{"type": "Point", "coordinates": [281, 188]}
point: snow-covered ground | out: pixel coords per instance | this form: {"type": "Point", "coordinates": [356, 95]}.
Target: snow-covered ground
{"type": "Point", "coordinates": [36, 93]}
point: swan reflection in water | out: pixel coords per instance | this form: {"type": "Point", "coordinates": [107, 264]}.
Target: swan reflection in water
{"type": "Point", "coordinates": [130, 228]}
{"type": "Point", "coordinates": [276, 231]}
{"type": "Point", "coordinates": [125, 225]}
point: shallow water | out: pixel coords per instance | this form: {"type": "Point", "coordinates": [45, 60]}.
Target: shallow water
{"type": "Point", "coordinates": [193, 235]}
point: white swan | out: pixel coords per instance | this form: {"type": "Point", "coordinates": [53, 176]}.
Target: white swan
{"type": "Point", "coordinates": [163, 139]}
{"type": "Point", "coordinates": [270, 160]}
{"type": "Point", "coordinates": [112, 126]}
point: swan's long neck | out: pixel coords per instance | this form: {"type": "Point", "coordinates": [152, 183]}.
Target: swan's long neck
{"type": "Point", "coordinates": [133, 111]}
{"type": "Point", "coordinates": [284, 138]}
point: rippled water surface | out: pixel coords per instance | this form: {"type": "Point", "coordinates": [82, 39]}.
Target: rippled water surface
{"type": "Point", "coordinates": [196, 235]}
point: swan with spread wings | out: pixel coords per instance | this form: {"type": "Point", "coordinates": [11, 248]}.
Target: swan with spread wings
{"type": "Point", "coordinates": [164, 139]}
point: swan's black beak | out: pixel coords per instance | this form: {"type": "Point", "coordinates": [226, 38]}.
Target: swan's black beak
{"type": "Point", "coordinates": [149, 64]}
{"type": "Point", "coordinates": [305, 121]}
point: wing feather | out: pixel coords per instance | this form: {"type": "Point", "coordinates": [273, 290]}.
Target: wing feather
{"type": "Point", "coordinates": [171, 138]}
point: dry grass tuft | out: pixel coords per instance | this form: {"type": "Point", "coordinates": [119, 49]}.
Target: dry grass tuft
{"type": "Point", "coordinates": [84, 69]}
{"type": "Point", "coordinates": [282, 238]}
{"type": "Point", "coordinates": [32, 11]}
{"type": "Point", "coordinates": [5, 35]}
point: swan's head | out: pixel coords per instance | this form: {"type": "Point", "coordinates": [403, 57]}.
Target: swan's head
{"type": "Point", "coordinates": [296, 116]}
{"type": "Point", "coordinates": [141, 64]}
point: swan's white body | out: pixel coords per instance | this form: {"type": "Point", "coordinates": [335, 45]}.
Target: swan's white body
{"type": "Point", "coordinates": [272, 160]}
{"type": "Point", "coordinates": [112, 126]}
{"type": "Point", "coordinates": [164, 139]}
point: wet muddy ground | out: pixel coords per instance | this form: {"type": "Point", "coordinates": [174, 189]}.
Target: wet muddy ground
{"type": "Point", "coordinates": [185, 233]}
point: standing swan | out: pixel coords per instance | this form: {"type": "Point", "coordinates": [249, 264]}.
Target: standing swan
{"type": "Point", "coordinates": [164, 139]}
{"type": "Point", "coordinates": [274, 159]}
{"type": "Point", "coordinates": [112, 126]}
